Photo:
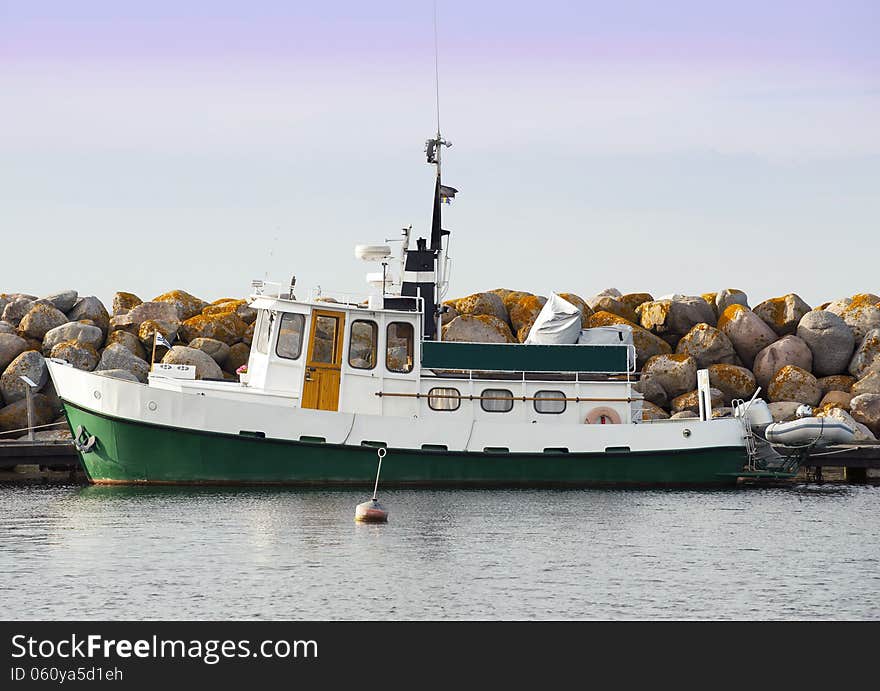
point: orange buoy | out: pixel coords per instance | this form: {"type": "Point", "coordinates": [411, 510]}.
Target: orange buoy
{"type": "Point", "coordinates": [372, 511]}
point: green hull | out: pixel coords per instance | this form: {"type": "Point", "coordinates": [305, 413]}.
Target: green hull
{"type": "Point", "coordinates": [135, 452]}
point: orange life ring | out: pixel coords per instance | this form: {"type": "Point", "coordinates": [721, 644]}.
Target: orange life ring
{"type": "Point", "coordinates": [603, 416]}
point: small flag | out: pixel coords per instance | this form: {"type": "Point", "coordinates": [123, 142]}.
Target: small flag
{"type": "Point", "coordinates": [162, 341]}
{"type": "Point", "coordinates": [447, 194]}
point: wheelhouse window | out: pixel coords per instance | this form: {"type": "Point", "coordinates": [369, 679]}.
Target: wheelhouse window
{"type": "Point", "coordinates": [399, 347]}
{"type": "Point", "coordinates": [552, 402]}
{"type": "Point", "coordinates": [362, 344]}
{"type": "Point", "coordinates": [496, 400]}
{"type": "Point", "coordinates": [290, 336]}
{"type": "Point", "coordinates": [444, 398]}
{"type": "Point", "coordinates": [262, 331]}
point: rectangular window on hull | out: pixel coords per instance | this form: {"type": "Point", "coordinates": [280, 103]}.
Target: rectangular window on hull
{"type": "Point", "coordinates": [497, 400]}
{"type": "Point", "coordinates": [262, 331]}
{"type": "Point", "coordinates": [552, 402]}
{"type": "Point", "coordinates": [290, 336]}
{"type": "Point", "coordinates": [399, 347]}
{"type": "Point", "coordinates": [444, 398]}
{"type": "Point", "coordinates": [362, 344]}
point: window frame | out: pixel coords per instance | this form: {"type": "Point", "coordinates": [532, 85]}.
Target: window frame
{"type": "Point", "coordinates": [412, 347]}
{"type": "Point", "coordinates": [485, 394]}
{"type": "Point", "coordinates": [302, 338]}
{"type": "Point", "coordinates": [431, 394]}
{"type": "Point", "coordinates": [557, 394]}
{"type": "Point", "coordinates": [375, 329]}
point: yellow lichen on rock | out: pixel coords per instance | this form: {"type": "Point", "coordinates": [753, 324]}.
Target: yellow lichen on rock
{"type": "Point", "coordinates": [187, 305]}
{"type": "Point", "coordinates": [729, 314]}
{"type": "Point", "coordinates": [224, 306]}
{"type": "Point", "coordinates": [227, 327]}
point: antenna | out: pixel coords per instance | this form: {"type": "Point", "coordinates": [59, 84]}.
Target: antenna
{"type": "Point", "coordinates": [437, 71]}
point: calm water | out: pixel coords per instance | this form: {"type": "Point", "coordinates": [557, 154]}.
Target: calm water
{"type": "Point", "coordinates": [115, 552]}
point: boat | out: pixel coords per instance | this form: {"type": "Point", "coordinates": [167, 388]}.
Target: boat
{"type": "Point", "coordinates": [333, 380]}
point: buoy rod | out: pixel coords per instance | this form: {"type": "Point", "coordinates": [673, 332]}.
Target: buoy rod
{"type": "Point", "coordinates": [381, 453]}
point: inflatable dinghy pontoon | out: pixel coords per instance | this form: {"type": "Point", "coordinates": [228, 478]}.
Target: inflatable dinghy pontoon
{"type": "Point", "coordinates": [809, 431]}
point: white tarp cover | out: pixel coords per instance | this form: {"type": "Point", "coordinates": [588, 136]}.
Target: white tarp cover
{"type": "Point", "coordinates": [616, 334]}
{"type": "Point", "coordinates": [558, 323]}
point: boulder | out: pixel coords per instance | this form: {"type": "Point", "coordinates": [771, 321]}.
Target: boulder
{"type": "Point", "coordinates": [448, 313]}
{"type": "Point", "coordinates": [867, 356]}
{"type": "Point", "coordinates": [205, 366]}
{"type": "Point", "coordinates": [783, 314]}
{"type": "Point", "coordinates": [30, 364]}
{"type": "Point", "coordinates": [117, 374]}
{"type": "Point", "coordinates": [732, 381]}
{"type": "Point", "coordinates": [676, 315]}
{"type": "Point", "coordinates": [653, 412]}
{"type": "Point", "coordinates": [117, 356]}
{"type": "Point", "coordinates": [746, 330]}
{"type": "Point", "coordinates": [652, 391]}
{"type": "Point", "coordinates": [91, 308]}
{"type": "Point", "coordinates": [148, 329]}
{"type": "Point", "coordinates": [710, 300]}
{"type": "Point", "coordinates": [606, 303]}
{"type": "Point", "coordinates": [478, 328]}
{"type": "Point", "coordinates": [580, 303]}
{"type": "Point", "coordinates": [727, 297]}
{"type": "Point", "coordinates": [40, 319]}
{"type": "Point", "coordinates": [788, 350]}
{"type": "Point", "coordinates": [481, 303]}
{"type": "Point", "coordinates": [15, 417]}
{"type": "Point", "coordinates": [511, 297]}
{"type": "Point", "coordinates": [248, 337]}
{"type": "Point", "coordinates": [241, 307]}
{"type": "Point", "coordinates": [829, 339]}
{"type": "Point", "coordinates": [676, 373]}
{"type": "Point", "coordinates": [187, 305]}
{"type": "Point", "coordinates": [227, 327]}
{"type": "Point", "coordinates": [73, 331]}
{"type": "Point", "coordinates": [839, 399]}
{"type": "Point", "coordinates": [862, 432]}
{"type": "Point", "coordinates": [123, 303]}
{"type": "Point", "coordinates": [691, 401]}
{"type": "Point", "coordinates": [647, 344]}
{"type": "Point", "coordinates": [63, 301]}
{"type": "Point", "coordinates": [861, 318]}
{"type": "Point", "coordinates": [129, 341]}
{"type": "Point", "coordinates": [721, 413]}
{"type": "Point", "coordinates": [11, 346]}
{"type": "Point", "coordinates": [16, 309]}
{"type": "Point", "coordinates": [784, 411]}
{"type": "Point", "coordinates": [836, 382]}
{"type": "Point", "coordinates": [7, 328]}
{"type": "Point", "coordinates": [607, 292]}
{"type": "Point", "coordinates": [239, 354]}
{"type": "Point", "coordinates": [685, 415]}
{"type": "Point", "coordinates": [865, 408]}
{"type": "Point", "coordinates": [524, 312]}
{"type": "Point", "coordinates": [216, 349]}
{"type": "Point", "coordinates": [837, 306]}
{"type": "Point", "coordinates": [157, 311]}
{"type": "Point", "coordinates": [707, 345]}
{"type": "Point", "coordinates": [633, 300]}
{"type": "Point", "coordinates": [792, 383]}
{"type": "Point", "coordinates": [81, 355]}
{"type": "Point", "coordinates": [870, 383]}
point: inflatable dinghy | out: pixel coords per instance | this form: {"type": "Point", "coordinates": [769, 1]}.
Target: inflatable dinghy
{"type": "Point", "coordinates": [820, 431]}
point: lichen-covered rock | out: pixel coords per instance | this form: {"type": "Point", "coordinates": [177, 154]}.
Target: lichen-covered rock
{"type": "Point", "coordinates": [633, 300]}
{"type": "Point", "coordinates": [511, 298]}
{"type": "Point", "coordinates": [647, 344]}
{"type": "Point", "coordinates": [239, 354]}
{"type": "Point", "coordinates": [839, 399]}
{"type": "Point", "coordinates": [653, 412]}
{"type": "Point", "coordinates": [607, 292]}
{"type": "Point", "coordinates": [16, 309]}
{"type": "Point", "coordinates": [227, 327]}
{"type": "Point", "coordinates": [870, 383]}
{"type": "Point", "coordinates": [7, 328]}
{"type": "Point", "coordinates": [788, 350]}
{"type": "Point", "coordinates": [732, 381]}
{"type": "Point", "coordinates": [837, 306]}
{"type": "Point", "coordinates": [836, 382]}
{"type": "Point", "coordinates": [707, 345]}
{"type": "Point", "coordinates": [784, 411]}
{"type": "Point", "coordinates": [727, 297]}
{"type": "Point", "coordinates": [746, 330]}
{"type": "Point", "coordinates": [691, 401]}
{"type": "Point", "coordinates": [607, 303]}
{"type": "Point", "coordinates": [30, 364]}
{"type": "Point", "coordinates": [91, 308]}
{"type": "Point", "coordinates": [117, 356]}
{"type": "Point", "coordinates": [63, 301]}
{"type": "Point", "coordinates": [147, 331]}
{"type": "Point", "coordinates": [157, 311]}
{"type": "Point", "coordinates": [241, 307]}
{"type": "Point", "coordinates": [783, 314]}
{"type": "Point", "coordinates": [862, 432]}
{"type": "Point", "coordinates": [205, 366]}
{"type": "Point", "coordinates": [478, 328]}
{"type": "Point", "coordinates": [40, 319]}
{"type": "Point", "coordinates": [81, 355]}
{"type": "Point", "coordinates": [829, 339]}
{"type": "Point", "coordinates": [123, 303]}
{"type": "Point", "coordinates": [652, 391]}
{"type": "Point", "coordinates": [218, 350]}
{"type": "Point", "coordinates": [14, 416]}
{"type": "Point", "coordinates": [867, 356]}
{"type": "Point", "coordinates": [129, 341]}
{"type": "Point", "coordinates": [865, 408]}
{"type": "Point", "coordinates": [677, 314]}
{"type": "Point", "coordinates": [581, 304]}
{"type": "Point", "coordinates": [524, 313]}
{"type": "Point", "coordinates": [117, 374]}
{"type": "Point", "coordinates": [721, 413]}
{"type": "Point", "coordinates": [676, 373]}
{"type": "Point", "coordinates": [11, 346]}
{"type": "Point", "coordinates": [861, 318]}
{"type": "Point", "coordinates": [482, 303]}
{"type": "Point", "coordinates": [685, 415]}
{"type": "Point", "coordinates": [187, 305]}
{"type": "Point", "coordinates": [248, 337]}
{"type": "Point", "coordinates": [792, 383]}
{"type": "Point", "coordinates": [73, 331]}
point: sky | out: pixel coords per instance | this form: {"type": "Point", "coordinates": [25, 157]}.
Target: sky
{"type": "Point", "coordinates": [676, 147]}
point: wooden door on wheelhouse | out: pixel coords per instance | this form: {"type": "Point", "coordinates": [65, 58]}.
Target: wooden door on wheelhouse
{"type": "Point", "coordinates": [324, 361]}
